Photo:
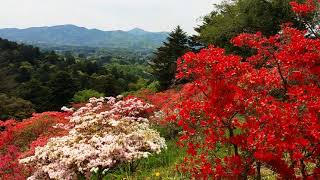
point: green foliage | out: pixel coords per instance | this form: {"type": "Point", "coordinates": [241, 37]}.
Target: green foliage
{"type": "Point", "coordinates": [25, 69]}
{"type": "Point", "coordinates": [105, 83]}
{"type": "Point", "coordinates": [85, 95]}
{"type": "Point", "coordinates": [63, 88]}
{"type": "Point", "coordinates": [104, 56]}
{"type": "Point", "coordinates": [164, 62]}
{"type": "Point", "coordinates": [129, 77]}
{"type": "Point", "coordinates": [141, 83]}
{"type": "Point", "coordinates": [39, 94]}
{"type": "Point", "coordinates": [49, 80]}
{"type": "Point", "coordinates": [13, 107]}
{"type": "Point", "coordinates": [8, 81]}
{"type": "Point", "coordinates": [169, 130]}
{"type": "Point", "coordinates": [236, 16]}
{"type": "Point", "coordinates": [154, 86]}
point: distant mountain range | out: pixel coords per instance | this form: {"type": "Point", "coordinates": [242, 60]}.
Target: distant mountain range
{"type": "Point", "coordinates": [71, 35]}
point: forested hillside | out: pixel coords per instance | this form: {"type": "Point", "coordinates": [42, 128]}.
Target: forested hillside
{"type": "Point", "coordinates": [40, 81]}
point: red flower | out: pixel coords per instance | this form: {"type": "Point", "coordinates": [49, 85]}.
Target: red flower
{"type": "Point", "coordinates": [263, 109]}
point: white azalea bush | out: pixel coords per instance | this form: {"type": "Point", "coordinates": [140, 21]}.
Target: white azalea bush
{"type": "Point", "coordinates": [105, 133]}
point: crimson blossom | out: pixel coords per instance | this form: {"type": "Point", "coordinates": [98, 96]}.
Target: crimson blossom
{"type": "Point", "coordinates": [19, 139]}
{"type": "Point", "coordinates": [258, 114]}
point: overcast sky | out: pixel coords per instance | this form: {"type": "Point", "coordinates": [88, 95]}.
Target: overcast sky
{"type": "Point", "coordinates": [151, 15]}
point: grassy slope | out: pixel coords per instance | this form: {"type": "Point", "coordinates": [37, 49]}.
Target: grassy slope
{"type": "Point", "coordinates": [159, 166]}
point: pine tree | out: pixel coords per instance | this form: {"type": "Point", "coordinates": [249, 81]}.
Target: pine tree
{"type": "Point", "coordinates": [63, 88]}
{"type": "Point", "coordinates": [164, 62]}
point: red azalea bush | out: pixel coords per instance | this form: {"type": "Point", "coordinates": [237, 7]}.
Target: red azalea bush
{"type": "Point", "coordinates": [166, 101]}
{"type": "Point", "coordinates": [304, 8]}
{"type": "Point", "coordinates": [18, 139]}
{"type": "Point", "coordinates": [165, 104]}
{"type": "Point", "coordinates": [260, 112]}
{"type": "Point", "coordinates": [309, 14]}
{"type": "Point", "coordinates": [9, 165]}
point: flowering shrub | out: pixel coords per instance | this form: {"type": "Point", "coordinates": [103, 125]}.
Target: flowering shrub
{"type": "Point", "coordinates": [106, 133]}
{"type": "Point", "coordinates": [260, 112]}
{"type": "Point", "coordinates": [309, 14]}
{"type": "Point", "coordinates": [19, 138]}
{"type": "Point", "coordinates": [166, 101]}
{"type": "Point", "coordinates": [310, 6]}
{"type": "Point", "coordinates": [9, 165]}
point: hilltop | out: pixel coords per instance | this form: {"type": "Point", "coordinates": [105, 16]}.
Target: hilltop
{"type": "Point", "coordinates": [71, 35]}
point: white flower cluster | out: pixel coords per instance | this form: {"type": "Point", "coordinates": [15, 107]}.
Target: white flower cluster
{"type": "Point", "coordinates": [64, 108]}
{"type": "Point", "coordinates": [131, 107]}
{"type": "Point", "coordinates": [157, 117]}
{"type": "Point", "coordinates": [63, 126]}
{"type": "Point", "coordinates": [159, 114]}
{"type": "Point", "coordinates": [100, 139]}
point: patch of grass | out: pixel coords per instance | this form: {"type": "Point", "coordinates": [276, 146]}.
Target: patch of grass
{"type": "Point", "coordinates": [158, 166]}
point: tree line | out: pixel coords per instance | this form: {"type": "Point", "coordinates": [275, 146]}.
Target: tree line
{"type": "Point", "coordinates": [35, 81]}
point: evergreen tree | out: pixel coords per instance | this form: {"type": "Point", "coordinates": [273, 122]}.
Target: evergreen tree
{"type": "Point", "coordinates": [8, 81]}
{"type": "Point", "coordinates": [63, 88]}
{"type": "Point", "coordinates": [35, 92]}
{"type": "Point", "coordinates": [164, 62]}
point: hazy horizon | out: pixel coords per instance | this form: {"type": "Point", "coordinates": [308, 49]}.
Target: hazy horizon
{"type": "Point", "coordinates": [154, 16]}
{"type": "Point", "coordinates": [22, 28]}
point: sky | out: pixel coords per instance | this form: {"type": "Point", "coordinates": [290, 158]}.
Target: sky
{"type": "Point", "coordinates": [150, 15]}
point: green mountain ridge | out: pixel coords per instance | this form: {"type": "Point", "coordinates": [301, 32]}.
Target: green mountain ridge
{"type": "Point", "coordinates": [71, 35]}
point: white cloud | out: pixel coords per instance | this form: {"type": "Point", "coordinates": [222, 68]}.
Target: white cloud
{"type": "Point", "coordinates": [152, 15]}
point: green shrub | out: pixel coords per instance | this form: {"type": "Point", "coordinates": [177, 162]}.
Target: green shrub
{"type": "Point", "coordinates": [13, 107]}
{"type": "Point", "coordinates": [154, 86]}
{"type": "Point", "coordinates": [85, 95]}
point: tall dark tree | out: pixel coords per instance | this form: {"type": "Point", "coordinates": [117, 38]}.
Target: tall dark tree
{"type": "Point", "coordinates": [36, 93]}
{"type": "Point", "coordinates": [164, 62]}
{"type": "Point", "coordinates": [63, 88]}
{"type": "Point", "coordinates": [8, 81]}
